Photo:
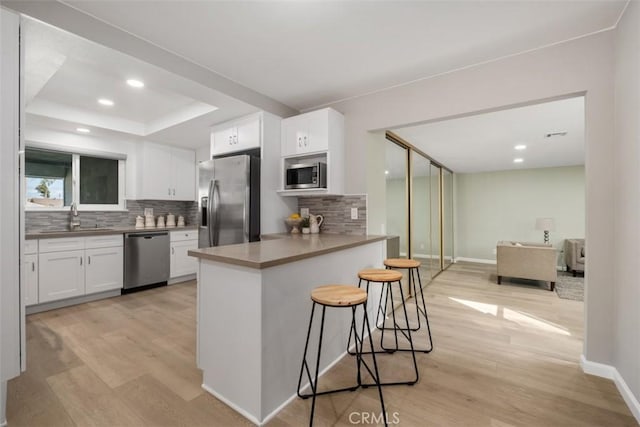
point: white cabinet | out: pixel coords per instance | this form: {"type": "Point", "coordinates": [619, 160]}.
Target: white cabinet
{"type": "Point", "coordinates": [165, 173]}
{"type": "Point", "coordinates": [317, 136]}
{"type": "Point", "coordinates": [104, 258]}
{"type": "Point", "coordinates": [181, 263]}
{"type": "Point", "coordinates": [74, 266]}
{"type": "Point", "coordinates": [313, 132]}
{"type": "Point", "coordinates": [306, 133]}
{"type": "Point", "coordinates": [61, 275]}
{"type": "Point", "coordinates": [30, 272]}
{"type": "Point", "coordinates": [104, 269]}
{"type": "Point", "coordinates": [238, 135]}
{"type": "Point", "coordinates": [30, 277]}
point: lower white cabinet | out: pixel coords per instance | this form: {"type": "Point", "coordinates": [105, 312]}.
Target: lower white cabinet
{"type": "Point", "coordinates": [30, 277]}
{"type": "Point", "coordinates": [104, 269]}
{"type": "Point", "coordinates": [181, 243]}
{"type": "Point", "coordinates": [94, 265]}
{"type": "Point", "coordinates": [61, 275]}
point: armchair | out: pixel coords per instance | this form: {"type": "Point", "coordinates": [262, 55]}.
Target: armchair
{"type": "Point", "coordinates": [574, 255]}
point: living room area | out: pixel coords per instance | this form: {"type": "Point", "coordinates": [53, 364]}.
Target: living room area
{"type": "Point", "coordinates": [518, 180]}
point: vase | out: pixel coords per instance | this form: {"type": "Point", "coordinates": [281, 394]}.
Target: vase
{"type": "Point", "coordinates": [306, 230]}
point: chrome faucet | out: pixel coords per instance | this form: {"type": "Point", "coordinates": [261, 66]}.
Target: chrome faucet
{"type": "Point", "coordinates": [74, 217]}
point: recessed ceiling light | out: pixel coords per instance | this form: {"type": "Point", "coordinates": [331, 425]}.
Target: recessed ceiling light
{"type": "Point", "coordinates": [83, 130]}
{"type": "Point", "coordinates": [135, 83]}
{"type": "Point", "coordinates": [106, 102]}
{"type": "Point", "coordinates": [386, 172]}
{"type": "Point", "coordinates": [518, 160]}
{"type": "Point", "coordinates": [520, 147]}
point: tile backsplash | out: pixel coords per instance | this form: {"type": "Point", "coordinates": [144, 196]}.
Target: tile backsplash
{"type": "Point", "coordinates": [59, 220]}
{"type": "Point", "coordinates": [336, 211]}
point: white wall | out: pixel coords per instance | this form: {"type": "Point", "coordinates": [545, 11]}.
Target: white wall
{"type": "Point", "coordinates": [10, 313]}
{"type": "Point", "coordinates": [583, 66]}
{"type": "Point", "coordinates": [504, 205]}
{"type": "Point", "coordinates": [626, 212]}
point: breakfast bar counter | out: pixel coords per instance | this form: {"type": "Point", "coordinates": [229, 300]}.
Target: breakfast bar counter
{"type": "Point", "coordinates": [253, 303]}
{"type": "Point", "coordinates": [278, 249]}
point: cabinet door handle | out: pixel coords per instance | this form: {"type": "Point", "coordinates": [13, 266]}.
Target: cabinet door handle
{"type": "Point", "coordinates": [174, 191]}
{"type": "Point", "coordinates": [33, 266]}
{"type": "Point", "coordinates": [89, 260]}
{"type": "Point", "coordinates": [306, 143]}
{"type": "Point", "coordinates": [173, 251]}
{"type": "Point", "coordinates": [235, 139]}
{"type": "Point", "coordinates": [169, 191]}
{"type": "Point", "coordinates": [80, 260]}
{"type": "Point", "coordinates": [230, 139]}
{"type": "Point", "coordinates": [299, 142]}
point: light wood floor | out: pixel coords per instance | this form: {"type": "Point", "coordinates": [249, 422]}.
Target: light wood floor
{"type": "Point", "coordinates": [504, 355]}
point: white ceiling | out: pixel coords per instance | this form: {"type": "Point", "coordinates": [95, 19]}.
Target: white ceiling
{"type": "Point", "coordinates": [66, 74]}
{"type": "Point", "coordinates": [485, 142]}
{"type": "Point", "coordinates": [309, 53]}
{"type": "Point", "coordinates": [303, 54]}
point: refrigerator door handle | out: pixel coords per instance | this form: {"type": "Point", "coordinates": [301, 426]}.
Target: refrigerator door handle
{"type": "Point", "coordinates": [247, 203]}
{"type": "Point", "coordinates": [210, 214]}
{"type": "Point", "coordinates": [214, 214]}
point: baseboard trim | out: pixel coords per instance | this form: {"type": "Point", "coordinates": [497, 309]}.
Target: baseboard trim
{"type": "Point", "coordinates": [477, 260]}
{"type": "Point", "coordinates": [181, 279]}
{"type": "Point", "coordinates": [610, 372]}
{"type": "Point", "coordinates": [233, 406]}
{"type": "Point", "coordinates": [597, 369]}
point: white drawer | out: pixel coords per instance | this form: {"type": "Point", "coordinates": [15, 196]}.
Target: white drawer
{"type": "Point", "coordinates": [109, 241]}
{"type": "Point", "coordinates": [61, 244]}
{"type": "Point", "coordinates": [30, 247]}
{"type": "Point", "coordinates": [177, 236]}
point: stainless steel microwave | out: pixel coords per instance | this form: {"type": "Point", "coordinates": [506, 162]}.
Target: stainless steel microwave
{"type": "Point", "coordinates": [306, 175]}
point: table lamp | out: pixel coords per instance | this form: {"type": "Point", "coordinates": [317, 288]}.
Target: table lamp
{"type": "Point", "coordinates": [546, 225]}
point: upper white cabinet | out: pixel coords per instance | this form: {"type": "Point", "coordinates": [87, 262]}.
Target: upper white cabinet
{"type": "Point", "coordinates": [310, 132]}
{"type": "Point", "coordinates": [237, 135]}
{"type": "Point", "coordinates": [317, 136]}
{"type": "Point", "coordinates": [165, 173]}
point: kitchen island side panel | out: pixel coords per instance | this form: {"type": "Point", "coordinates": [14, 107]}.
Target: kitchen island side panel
{"type": "Point", "coordinates": [229, 334]}
{"type": "Point", "coordinates": [287, 306]}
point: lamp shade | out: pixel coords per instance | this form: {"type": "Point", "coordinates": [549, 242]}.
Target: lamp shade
{"type": "Point", "coordinates": [545, 224]}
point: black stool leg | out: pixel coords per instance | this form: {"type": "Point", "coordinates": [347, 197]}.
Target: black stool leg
{"type": "Point", "coordinates": [408, 336]}
{"type": "Point", "coordinates": [409, 281]}
{"type": "Point", "coordinates": [424, 312]}
{"type": "Point", "coordinates": [304, 359]}
{"type": "Point", "coordinates": [375, 366]}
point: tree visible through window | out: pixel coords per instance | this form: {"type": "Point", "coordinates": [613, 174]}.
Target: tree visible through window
{"type": "Point", "coordinates": [48, 178]}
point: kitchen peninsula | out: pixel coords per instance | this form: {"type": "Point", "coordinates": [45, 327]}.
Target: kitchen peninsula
{"type": "Point", "coordinates": [253, 306]}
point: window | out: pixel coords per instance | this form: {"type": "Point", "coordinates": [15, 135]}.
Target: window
{"type": "Point", "coordinates": [98, 181]}
{"type": "Point", "coordinates": [55, 180]}
{"type": "Point", "coordinates": [49, 176]}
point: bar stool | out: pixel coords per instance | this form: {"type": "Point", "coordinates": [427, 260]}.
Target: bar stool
{"type": "Point", "coordinates": [340, 296]}
{"type": "Point", "coordinates": [413, 267]}
{"type": "Point", "coordinates": [387, 278]}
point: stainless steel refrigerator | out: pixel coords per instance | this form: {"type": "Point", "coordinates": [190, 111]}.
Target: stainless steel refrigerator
{"type": "Point", "coordinates": [229, 200]}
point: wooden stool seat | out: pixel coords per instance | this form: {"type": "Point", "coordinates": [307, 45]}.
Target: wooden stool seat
{"type": "Point", "coordinates": [339, 295]}
{"type": "Point", "coordinates": [379, 275]}
{"type": "Point", "coordinates": [401, 263]}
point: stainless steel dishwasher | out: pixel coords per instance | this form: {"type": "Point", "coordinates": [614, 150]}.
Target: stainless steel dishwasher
{"type": "Point", "coordinates": [146, 259]}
